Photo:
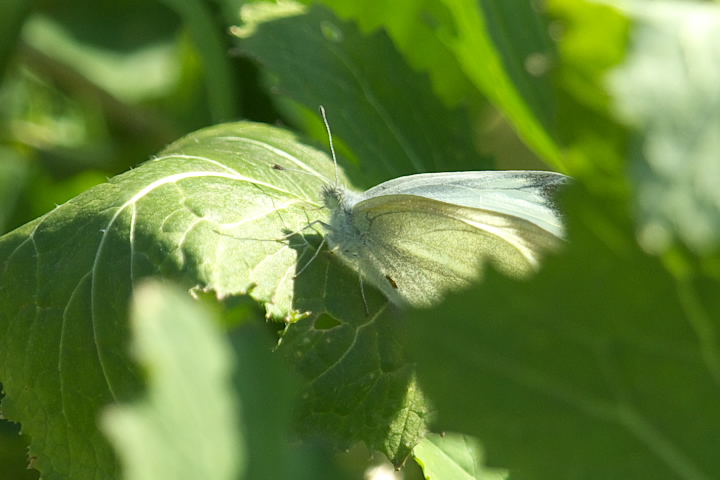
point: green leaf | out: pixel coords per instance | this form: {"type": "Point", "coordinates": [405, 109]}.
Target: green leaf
{"type": "Point", "coordinates": [12, 16]}
{"type": "Point", "coordinates": [13, 453]}
{"type": "Point", "coordinates": [268, 391]}
{"type": "Point", "coordinates": [359, 384]}
{"type": "Point", "coordinates": [602, 366]}
{"type": "Point", "coordinates": [14, 172]}
{"type": "Point", "coordinates": [186, 359]}
{"type": "Point", "coordinates": [128, 74]}
{"type": "Point", "coordinates": [210, 42]}
{"type": "Point", "coordinates": [411, 24]}
{"type": "Point", "coordinates": [592, 42]}
{"type": "Point", "coordinates": [461, 41]}
{"type": "Point", "coordinates": [675, 151]}
{"type": "Point", "coordinates": [214, 213]}
{"type": "Point", "coordinates": [208, 212]}
{"type": "Point", "coordinates": [509, 68]}
{"type": "Point", "coordinates": [453, 457]}
{"type": "Point", "coordinates": [389, 131]}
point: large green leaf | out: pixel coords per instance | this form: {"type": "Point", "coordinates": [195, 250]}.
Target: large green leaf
{"type": "Point", "coordinates": [675, 153]}
{"type": "Point", "coordinates": [212, 212]}
{"type": "Point", "coordinates": [189, 214]}
{"type": "Point", "coordinates": [603, 366]}
{"type": "Point", "coordinates": [317, 59]}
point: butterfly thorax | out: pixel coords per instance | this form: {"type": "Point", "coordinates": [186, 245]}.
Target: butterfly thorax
{"type": "Point", "coordinates": [342, 235]}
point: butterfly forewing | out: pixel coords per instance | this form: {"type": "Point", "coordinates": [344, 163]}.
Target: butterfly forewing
{"type": "Point", "coordinates": [523, 194]}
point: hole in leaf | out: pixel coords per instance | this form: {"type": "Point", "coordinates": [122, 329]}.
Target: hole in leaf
{"type": "Point", "coordinates": [326, 322]}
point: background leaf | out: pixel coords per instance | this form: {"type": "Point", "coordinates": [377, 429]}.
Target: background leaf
{"type": "Point", "coordinates": [508, 68]}
{"type": "Point", "coordinates": [211, 43]}
{"type": "Point", "coordinates": [412, 26]}
{"type": "Point", "coordinates": [307, 49]}
{"type": "Point", "coordinates": [13, 176]}
{"type": "Point", "coordinates": [592, 42]}
{"type": "Point", "coordinates": [12, 13]}
{"type": "Point", "coordinates": [504, 49]}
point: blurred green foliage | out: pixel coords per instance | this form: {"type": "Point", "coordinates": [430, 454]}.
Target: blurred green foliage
{"type": "Point", "coordinates": [612, 348]}
{"type": "Point", "coordinates": [91, 89]}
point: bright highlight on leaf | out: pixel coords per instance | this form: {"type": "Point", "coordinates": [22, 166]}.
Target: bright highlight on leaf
{"type": "Point", "coordinates": [452, 456]}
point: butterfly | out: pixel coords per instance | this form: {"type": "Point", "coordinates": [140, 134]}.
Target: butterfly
{"type": "Point", "coordinates": [419, 236]}
{"type": "Point", "coordinates": [416, 237]}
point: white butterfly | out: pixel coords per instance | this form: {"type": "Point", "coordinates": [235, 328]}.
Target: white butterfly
{"type": "Point", "coordinates": [416, 237]}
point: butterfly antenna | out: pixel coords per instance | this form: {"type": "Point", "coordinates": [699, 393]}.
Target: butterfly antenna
{"type": "Point", "coordinates": [332, 147]}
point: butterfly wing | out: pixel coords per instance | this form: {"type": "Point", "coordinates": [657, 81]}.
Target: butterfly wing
{"type": "Point", "coordinates": [520, 193]}
{"type": "Point", "coordinates": [416, 248]}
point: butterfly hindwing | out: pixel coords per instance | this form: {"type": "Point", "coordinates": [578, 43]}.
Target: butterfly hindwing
{"type": "Point", "coordinates": [428, 247]}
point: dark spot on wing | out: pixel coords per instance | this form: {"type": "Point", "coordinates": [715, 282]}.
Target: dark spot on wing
{"type": "Point", "coordinates": [392, 282]}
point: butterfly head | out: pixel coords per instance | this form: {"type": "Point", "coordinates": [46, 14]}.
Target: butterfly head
{"type": "Point", "coordinates": [332, 197]}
